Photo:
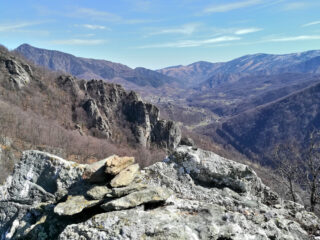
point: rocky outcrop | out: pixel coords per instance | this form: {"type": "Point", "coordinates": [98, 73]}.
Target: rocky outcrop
{"type": "Point", "coordinates": [108, 108]}
{"type": "Point", "coordinates": [193, 194]}
{"type": "Point", "coordinates": [17, 73]}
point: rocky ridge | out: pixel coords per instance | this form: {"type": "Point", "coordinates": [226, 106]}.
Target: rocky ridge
{"type": "Point", "coordinates": [17, 74]}
{"type": "Point", "coordinates": [193, 194]}
{"type": "Point", "coordinates": [107, 104]}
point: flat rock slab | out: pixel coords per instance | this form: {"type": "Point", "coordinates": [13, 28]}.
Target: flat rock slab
{"type": "Point", "coordinates": [125, 177]}
{"type": "Point", "coordinates": [115, 164]}
{"type": "Point", "coordinates": [120, 192]}
{"type": "Point", "coordinates": [74, 205]}
{"type": "Point", "coordinates": [134, 199]}
{"type": "Point", "coordinates": [95, 172]}
{"type": "Point", "coordinates": [98, 192]}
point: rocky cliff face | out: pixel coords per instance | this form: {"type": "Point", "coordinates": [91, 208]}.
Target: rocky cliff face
{"type": "Point", "coordinates": [107, 106]}
{"type": "Point", "coordinates": [193, 194]}
{"type": "Point", "coordinates": [92, 107]}
{"type": "Point", "coordinates": [15, 74]}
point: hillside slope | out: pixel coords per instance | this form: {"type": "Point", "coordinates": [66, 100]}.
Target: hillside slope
{"type": "Point", "coordinates": [256, 132]}
{"type": "Point", "coordinates": [92, 68]}
{"type": "Point", "coordinates": [77, 119]}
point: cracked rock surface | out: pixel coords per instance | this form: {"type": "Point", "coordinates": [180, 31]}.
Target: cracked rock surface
{"type": "Point", "coordinates": [193, 194]}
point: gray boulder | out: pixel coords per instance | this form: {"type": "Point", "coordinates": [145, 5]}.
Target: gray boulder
{"type": "Point", "coordinates": [194, 194]}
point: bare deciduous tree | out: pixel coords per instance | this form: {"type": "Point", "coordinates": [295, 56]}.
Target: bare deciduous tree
{"type": "Point", "coordinates": [312, 169]}
{"type": "Point", "coordinates": [287, 160]}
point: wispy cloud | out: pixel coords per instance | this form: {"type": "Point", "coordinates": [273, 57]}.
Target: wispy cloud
{"type": "Point", "coordinates": [311, 24]}
{"type": "Point", "coordinates": [295, 6]}
{"type": "Point", "coordinates": [192, 43]}
{"type": "Point", "coordinates": [78, 42]}
{"type": "Point", "coordinates": [16, 26]}
{"type": "Point", "coordinates": [231, 6]}
{"type": "Point", "coordinates": [247, 31]}
{"type": "Point", "coordinates": [95, 14]}
{"type": "Point", "coordinates": [186, 29]}
{"type": "Point", "coordinates": [94, 27]}
{"type": "Point", "coordinates": [295, 38]}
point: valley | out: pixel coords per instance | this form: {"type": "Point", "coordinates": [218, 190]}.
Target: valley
{"type": "Point", "coordinates": [207, 97]}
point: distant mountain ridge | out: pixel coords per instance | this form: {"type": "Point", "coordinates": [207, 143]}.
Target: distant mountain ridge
{"type": "Point", "coordinates": [92, 68]}
{"type": "Point", "coordinates": [193, 73]}
{"type": "Point", "coordinates": [256, 132]}
{"type": "Point", "coordinates": [213, 74]}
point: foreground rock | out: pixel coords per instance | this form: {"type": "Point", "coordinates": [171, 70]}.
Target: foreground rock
{"type": "Point", "coordinates": [74, 205]}
{"type": "Point", "coordinates": [135, 199]}
{"type": "Point", "coordinates": [116, 164]}
{"type": "Point", "coordinates": [195, 194]}
{"type": "Point", "coordinates": [125, 177]}
{"type": "Point", "coordinates": [98, 192]}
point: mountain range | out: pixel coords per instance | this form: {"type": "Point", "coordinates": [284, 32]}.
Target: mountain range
{"type": "Point", "coordinates": [250, 103]}
{"type": "Point", "coordinates": [85, 68]}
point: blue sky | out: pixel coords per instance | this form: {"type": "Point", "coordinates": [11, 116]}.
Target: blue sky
{"type": "Point", "coordinates": [160, 33]}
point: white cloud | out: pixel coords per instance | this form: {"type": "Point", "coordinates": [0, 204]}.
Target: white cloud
{"type": "Point", "coordinates": [193, 43]}
{"type": "Point", "coordinates": [311, 24]}
{"type": "Point", "coordinates": [231, 6]}
{"type": "Point", "coordinates": [295, 6]}
{"type": "Point", "coordinates": [186, 29]}
{"type": "Point", "coordinates": [295, 38]}
{"type": "Point", "coordinates": [247, 31]}
{"type": "Point", "coordinates": [16, 26]}
{"type": "Point", "coordinates": [94, 27]}
{"type": "Point", "coordinates": [78, 42]}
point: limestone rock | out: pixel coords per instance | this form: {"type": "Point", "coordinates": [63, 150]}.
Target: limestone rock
{"type": "Point", "coordinates": [98, 192]}
{"type": "Point", "coordinates": [74, 205]}
{"type": "Point", "coordinates": [41, 177]}
{"type": "Point", "coordinates": [95, 172]}
{"type": "Point", "coordinates": [122, 191]}
{"type": "Point", "coordinates": [125, 177]}
{"type": "Point", "coordinates": [96, 119]}
{"type": "Point", "coordinates": [187, 141]}
{"type": "Point", "coordinates": [194, 194]}
{"type": "Point", "coordinates": [20, 74]}
{"type": "Point", "coordinates": [134, 199]}
{"type": "Point", "coordinates": [38, 178]}
{"type": "Point", "coordinates": [166, 134]}
{"type": "Point", "coordinates": [115, 164]}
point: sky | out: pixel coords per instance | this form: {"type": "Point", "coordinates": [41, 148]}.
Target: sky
{"type": "Point", "coordinates": [160, 33]}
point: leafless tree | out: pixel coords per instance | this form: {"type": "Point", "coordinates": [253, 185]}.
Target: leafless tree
{"type": "Point", "coordinates": [312, 169]}
{"type": "Point", "coordinates": [287, 160]}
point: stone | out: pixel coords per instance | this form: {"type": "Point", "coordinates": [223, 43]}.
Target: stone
{"type": "Point", "coordinates": [98, 192]}
{"type": "Point", "coordinates": [134, 187]}
{"type": "Point", "coordinates": [95, 172]}
{"type": "Point", "coordinates": [166, 134]}
{"type": "Point", "coordinates": [186, 141]}
{"type": "Point", "coordinates": [74, 205]}
{"type": "Point", "coordinates": [125, 177]}
{"type": "Point", "coordinates": [134, 199]}
{"type": "Point", "coordinates": [194, 194]}
{"type": "Point", "coordinates": [39, 177]}
{"type": "Point", "coordinates": [115, 164]}
{"type": "Point", "coordinates": [20, 74]}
